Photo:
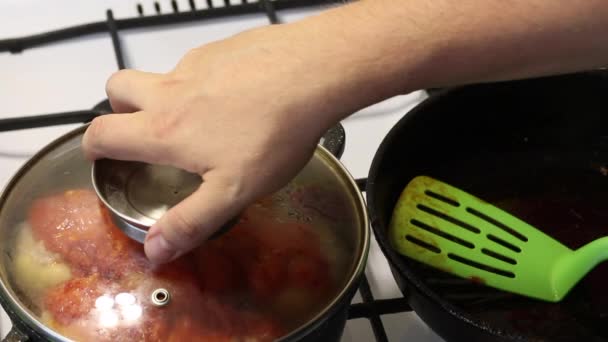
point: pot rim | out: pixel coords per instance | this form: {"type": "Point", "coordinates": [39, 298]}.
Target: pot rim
{"type": "Point", "coordinates": [363, 248]}
{"type": "Point", "coordinates": [15, 310]}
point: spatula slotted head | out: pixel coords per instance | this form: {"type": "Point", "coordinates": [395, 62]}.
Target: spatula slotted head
{"type": "Point", "coordinates": [458, 233]}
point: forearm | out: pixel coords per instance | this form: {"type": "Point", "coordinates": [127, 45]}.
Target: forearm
{"type": "Point", "coordinates": [374, 49]}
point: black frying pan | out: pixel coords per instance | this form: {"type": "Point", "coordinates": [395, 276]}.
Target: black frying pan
{"type": "Point", "coordinates": [538, 148]}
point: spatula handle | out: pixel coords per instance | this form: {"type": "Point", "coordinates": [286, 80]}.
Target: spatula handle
{"type": "Point", "coordinates": [571, 268]}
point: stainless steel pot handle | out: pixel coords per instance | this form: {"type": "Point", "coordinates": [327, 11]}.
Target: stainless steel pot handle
{"type": "Point", "coordinates": [15, 335]}
{"type": "Point", "coordinates": [334, 140]}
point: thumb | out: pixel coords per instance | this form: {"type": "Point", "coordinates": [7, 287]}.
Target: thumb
{"type": "Point", "coordinates": [186, 225]}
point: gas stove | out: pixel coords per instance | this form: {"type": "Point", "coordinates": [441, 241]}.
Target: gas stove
{"type": "Point", "coordinates": [55, 58]}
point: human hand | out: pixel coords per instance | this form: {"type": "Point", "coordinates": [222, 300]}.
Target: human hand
{"type": "Point", "coordinates": [247, 112]}
{"type": "Point", "coordinates": [242, 113]}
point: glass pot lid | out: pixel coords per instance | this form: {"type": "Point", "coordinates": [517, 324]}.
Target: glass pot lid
{"type": "Point", "coordinates": [69, 272]}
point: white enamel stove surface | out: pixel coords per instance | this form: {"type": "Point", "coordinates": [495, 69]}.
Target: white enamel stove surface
{"type": "Point", "coordinates": [71, 75]}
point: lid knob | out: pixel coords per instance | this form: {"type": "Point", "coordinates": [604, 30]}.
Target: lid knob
{"type": "Point", "coordinates": [160, 297]}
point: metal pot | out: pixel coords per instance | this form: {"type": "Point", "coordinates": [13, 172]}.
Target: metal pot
{"type": "Point", "coordinates": [60, 168]}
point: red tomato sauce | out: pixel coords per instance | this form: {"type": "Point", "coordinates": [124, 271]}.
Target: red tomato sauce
{"type": "Point", "coordinates": [234, 288]}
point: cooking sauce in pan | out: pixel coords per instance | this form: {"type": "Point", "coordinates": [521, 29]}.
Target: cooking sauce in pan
{"type": "Point", "coordinates": [569, 205]}
{"type": "Point", "coordinates": [279, 266]}
{"type": "Point", "coordinates": [574, 221]}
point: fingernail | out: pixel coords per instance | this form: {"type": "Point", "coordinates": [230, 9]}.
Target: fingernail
{"type": "Point", "coordinates": [158, 250]}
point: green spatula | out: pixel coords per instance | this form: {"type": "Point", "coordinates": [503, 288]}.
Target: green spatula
{"type": "Point", "coordinates": [458, 233]}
